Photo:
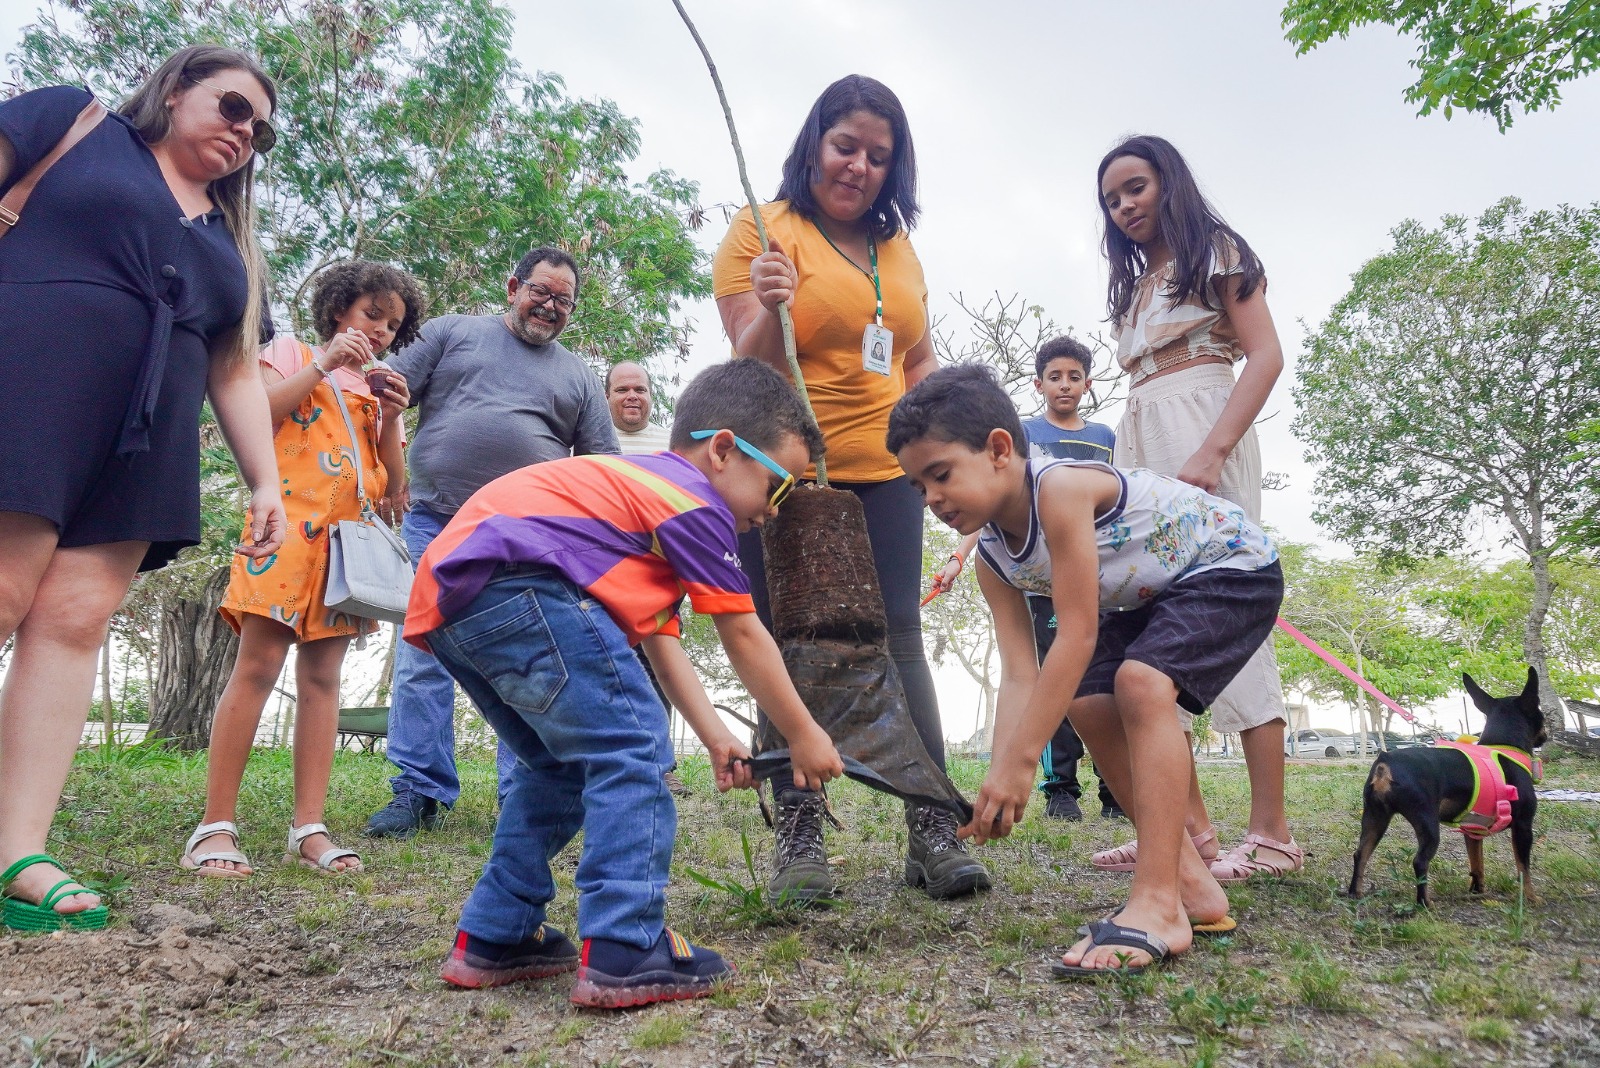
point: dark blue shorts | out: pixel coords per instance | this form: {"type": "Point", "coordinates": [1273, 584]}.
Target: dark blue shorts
{"type": "Point", "coordinates": [1199, 632]}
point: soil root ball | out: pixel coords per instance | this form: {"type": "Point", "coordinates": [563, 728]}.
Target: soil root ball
{"type": "Point", "coordinates": [820, 573]}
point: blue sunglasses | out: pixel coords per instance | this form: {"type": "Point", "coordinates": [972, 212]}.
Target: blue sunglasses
{"type": "Point", "coordinates": [761, 458]}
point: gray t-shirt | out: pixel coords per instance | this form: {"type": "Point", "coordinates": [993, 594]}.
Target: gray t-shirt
{"type": "Point", "coordinates": [491, 403]}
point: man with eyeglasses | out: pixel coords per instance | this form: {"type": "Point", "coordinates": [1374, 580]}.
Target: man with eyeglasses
{"type": "Point", "coordinates": [495, 393]}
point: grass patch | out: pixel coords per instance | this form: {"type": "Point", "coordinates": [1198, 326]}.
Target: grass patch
{"type": "Point", "coordinates": [891, 977]}
{"type": "Point", "coordinates": [661, 1031]}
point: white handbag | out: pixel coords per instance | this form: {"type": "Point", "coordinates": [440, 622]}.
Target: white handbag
{"type": "Point", "coordinates": [369, 567]}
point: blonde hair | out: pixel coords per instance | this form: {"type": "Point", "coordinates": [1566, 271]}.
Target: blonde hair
{"type": "Point", "coordinates": [233, 194]}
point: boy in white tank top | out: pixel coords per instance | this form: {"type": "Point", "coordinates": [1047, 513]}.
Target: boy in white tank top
{"type": "Point", "coordinates": [1162, 593]}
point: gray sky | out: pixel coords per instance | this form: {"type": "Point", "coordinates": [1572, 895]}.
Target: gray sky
{"type": "Point", "coordinates": [1314, 160]}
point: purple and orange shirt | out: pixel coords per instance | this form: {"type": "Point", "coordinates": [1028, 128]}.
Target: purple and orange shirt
{"type": "Point", "coordinates": [637, 533]}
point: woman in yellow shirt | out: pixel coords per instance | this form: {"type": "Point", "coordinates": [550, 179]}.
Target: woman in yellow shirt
{"type": "Point", "coordinates": [842, 259]}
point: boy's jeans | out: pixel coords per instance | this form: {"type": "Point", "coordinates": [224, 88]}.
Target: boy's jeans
{"type": "Point", "coordinates": [422, 706]}
{"type": "Point", "coordinates": [591, 743]}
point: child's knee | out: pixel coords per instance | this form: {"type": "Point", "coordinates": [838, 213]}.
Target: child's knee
{"type": "Point", "coordinates": [1143, 690]}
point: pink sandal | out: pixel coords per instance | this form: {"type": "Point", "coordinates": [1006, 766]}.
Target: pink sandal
{"type": "Point", "coordinates": [1246, 860]}
{"type": "Point", "coordinates": [1125, 857]}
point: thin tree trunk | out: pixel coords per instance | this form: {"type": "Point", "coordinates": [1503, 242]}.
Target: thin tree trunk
{"type": "Point", "coordinates": [107, 713]}
{"type": "Point", "coordinates": [197, 651]}
{"type": "Point", "coordinates": [1533, 647]}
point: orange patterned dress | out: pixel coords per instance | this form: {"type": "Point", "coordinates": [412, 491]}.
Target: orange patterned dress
{"type": "Point", "coordinates": [317, 469]}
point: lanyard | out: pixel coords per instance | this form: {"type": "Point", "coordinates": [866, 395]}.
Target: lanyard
{"type": "Point", "coordinates": [872, 256]}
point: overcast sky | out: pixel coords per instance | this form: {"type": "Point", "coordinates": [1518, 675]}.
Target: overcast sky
{"type": "Point", "coordinates": [1312, 159]}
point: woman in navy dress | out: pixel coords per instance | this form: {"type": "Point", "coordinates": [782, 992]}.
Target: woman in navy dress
{"type": "Point", "coordinates": [130, 291]}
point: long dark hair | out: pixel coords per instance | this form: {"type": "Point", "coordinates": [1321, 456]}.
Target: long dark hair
{"type": "Point", "coordinates": [234, 193]}
{"type": "Point", "coordinates": [896, 207]}
{"type": "Point", "coordinates": [1188, 223]}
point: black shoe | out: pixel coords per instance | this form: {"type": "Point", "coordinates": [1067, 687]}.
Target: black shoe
{"type": "Point", "coordinates": [935, 858]}
{"type": "Point", "coordinates": [1060, 805]}
{"type": "Point", "coordinates": [475, 963]}
{"type": "Point", "coordinates": [615, 975]}
{"type": "Point", "coordinates": [403, 816]}
{"type": "Point", "coordinates": [1112, 812]}
{"type": "Point", "coordinates": [801, 876]}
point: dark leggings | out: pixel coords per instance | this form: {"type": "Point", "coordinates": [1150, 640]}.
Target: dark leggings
{"type": "Point", "coordinates": [894, 527]}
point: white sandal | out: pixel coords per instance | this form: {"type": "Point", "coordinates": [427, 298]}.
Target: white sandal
{"type": "Point", "coordinates": [297, 835]}
{"type": "Point", "coordinates": [205, 863]}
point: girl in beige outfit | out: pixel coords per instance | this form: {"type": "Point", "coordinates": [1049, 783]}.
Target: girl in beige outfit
{"type": "Point", "coordinates": [1187, 301]}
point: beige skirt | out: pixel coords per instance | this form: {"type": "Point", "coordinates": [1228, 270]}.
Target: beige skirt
{"type": "Point", "coordinates": [1164, 422]}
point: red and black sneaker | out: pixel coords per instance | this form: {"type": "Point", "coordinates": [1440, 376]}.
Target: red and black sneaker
{"type": "Point", "coordinates": [614, 975]}
{"type": "Point", "coordinates": [476, 962]}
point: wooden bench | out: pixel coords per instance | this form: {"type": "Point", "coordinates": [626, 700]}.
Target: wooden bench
{"type": "Point", "coordinates": [366, 727]}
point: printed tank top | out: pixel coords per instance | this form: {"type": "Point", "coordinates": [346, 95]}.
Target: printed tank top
{"type": "Point", "coordinates": [1159, 531]}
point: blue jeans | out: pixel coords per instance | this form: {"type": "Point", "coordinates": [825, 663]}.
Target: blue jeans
{"type": "Point", "coordinates": [591, 742]}
{"type": "Point", "coordinates": [422, 706]}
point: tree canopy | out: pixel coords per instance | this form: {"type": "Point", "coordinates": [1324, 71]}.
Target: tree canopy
{"type": "Point", "coordinates": [1486, 56]}
{"type": "Point", "coordinates": [411, 135]}
{"type": "Point", "coordinates": [1444, 390]}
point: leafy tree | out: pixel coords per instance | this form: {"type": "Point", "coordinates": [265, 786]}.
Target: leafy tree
{"type": "Point", "coordinates": [408, 135]}
{"type": "Point", "coordinates": [1488, 56]}
{"type": "Point", "coordinates": [1365, 612]}
{"type": "Point", "coordinates": [1442, 389]}
{"type": "Point", "coordinates": [960, 628]}
{"type": "Point", "coordinates": [411, 135]}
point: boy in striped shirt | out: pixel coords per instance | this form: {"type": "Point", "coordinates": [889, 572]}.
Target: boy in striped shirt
{"type": "Point", "coordinates": [533, 598]}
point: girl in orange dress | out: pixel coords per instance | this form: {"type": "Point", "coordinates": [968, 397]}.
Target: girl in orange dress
{"type": "Point", "coordinates": [359, 309]}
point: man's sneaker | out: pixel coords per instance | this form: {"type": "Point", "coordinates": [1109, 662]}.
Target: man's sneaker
{"type": "Point", "coordinates": [935, 858]}
{"type": "Point", "coordinates": [1060, 805]}
{"type": "Point", "coordinates": [615, 975]}
{"type": "Point", "coordinates": [801, 876]}
{"type": "Point", "coordinates": [403, 816]}
{"type": "Point", "coordinates": [676, 786]}
{"type": "Point", "coordinates": [1112, 812]}
{"type": "Point", "coordinates": [475, 962]}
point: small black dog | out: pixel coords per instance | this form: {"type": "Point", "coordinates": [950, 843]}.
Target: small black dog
{"type": "Point", "coordinates": [1430, 785]}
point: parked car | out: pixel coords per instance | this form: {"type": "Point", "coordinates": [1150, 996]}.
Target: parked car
{"type": "Point", "coordinates": [1310, 743]}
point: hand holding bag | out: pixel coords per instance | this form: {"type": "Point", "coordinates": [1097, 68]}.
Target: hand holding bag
{"type": "Point", "coordinates": [369, 567]}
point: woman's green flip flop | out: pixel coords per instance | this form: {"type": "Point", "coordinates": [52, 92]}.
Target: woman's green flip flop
{"type": "Point", "coordinates": [23, 916]}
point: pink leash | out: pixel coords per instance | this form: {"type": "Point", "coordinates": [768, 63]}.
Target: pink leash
{"type": "Point", "coordinates": [1339, 666]}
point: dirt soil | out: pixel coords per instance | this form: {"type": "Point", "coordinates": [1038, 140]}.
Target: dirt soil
{"type": "Point", "coordinates": [290, 968]}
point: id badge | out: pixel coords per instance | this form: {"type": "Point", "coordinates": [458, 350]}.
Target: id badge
{"type": "Point", "coordinates": [877, 349]}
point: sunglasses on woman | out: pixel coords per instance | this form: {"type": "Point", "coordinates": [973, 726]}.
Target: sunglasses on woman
{"type": "Point", "coordinates": [236, 108]}
{"type": "Point", "coordinates": [762, 458]}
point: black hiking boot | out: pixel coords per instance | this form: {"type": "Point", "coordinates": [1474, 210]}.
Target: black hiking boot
{"type": "Point", "coordinates": [801, 876]}
{"type": "Point", "coordinates": [1061, 805]}
{"type": "Point", "coordinates": [936, 860]}
{"type": "Point", "coordinates": [404, 816]}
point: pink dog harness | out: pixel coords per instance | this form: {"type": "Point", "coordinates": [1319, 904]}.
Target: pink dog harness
{"type": "Point", "coordinates": [1489, 811]}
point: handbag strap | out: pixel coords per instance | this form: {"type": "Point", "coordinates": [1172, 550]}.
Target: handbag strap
{"type": "Point", "coordinates": [17, 195]}
{"type": "Point", "coordinates": [355, 444]}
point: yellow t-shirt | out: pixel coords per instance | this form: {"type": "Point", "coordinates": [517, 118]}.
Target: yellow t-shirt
{"type": "Point", "coordinates": [832, 305]}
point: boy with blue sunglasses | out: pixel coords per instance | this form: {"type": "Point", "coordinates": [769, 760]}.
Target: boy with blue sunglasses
{"type": "Point", "coordinates": [532, 598]}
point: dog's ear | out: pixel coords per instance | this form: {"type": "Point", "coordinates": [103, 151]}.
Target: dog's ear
{"type": "Point", "coordinates": [1529, 698]}
{"type": "Point", "coordinates": [1479, 698]}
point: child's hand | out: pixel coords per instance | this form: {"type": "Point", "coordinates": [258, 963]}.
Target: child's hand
{"type": "Point", "coordinates": [1203, 470]}
{"type": "Point", "coordinates": [396, 395]}
{"type": "Point", "coordinates": [350, 349]}
{"type": "Point", "coordinates": [773, 276]}
{"type": "Point", "coordinates": [730, 763]}
{"type": "Point", "coordinates": [814, 759]}
{"type": "Point", "coordinates": [1000, 803]}
{"type": "Point", "coordinates": [944, 579]}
